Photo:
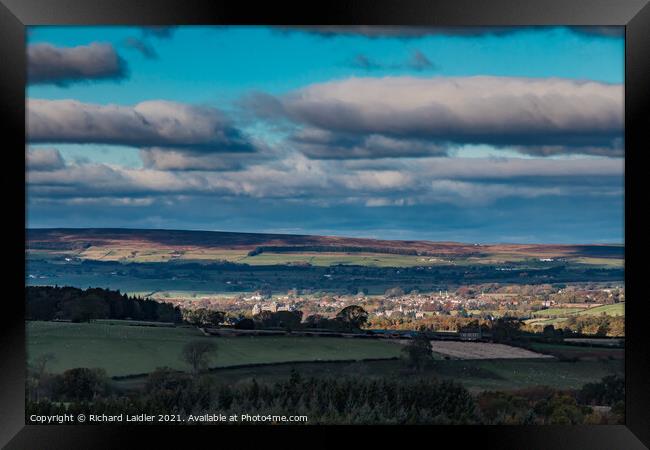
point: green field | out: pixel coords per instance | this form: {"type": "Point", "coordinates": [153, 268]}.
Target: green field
{"type": "Point", "coordinates": [617, 309]}
{"type": "Point", "coordinates": [124, 350]}
{"type": "Point", "coordinates": [584, 352]}
{"type": "Point", "coordinates": [556, 312]}
{"type": "Point", "coordinates": [556, 321]}
{"type": "Point", "coordinates": [330, 259]}
{"type": "Point", "coordinates": [555, 316]}
{"type": "Point", "coordinates": [148, 253]}
{"type": "Point", "coordinates": [476, 375]}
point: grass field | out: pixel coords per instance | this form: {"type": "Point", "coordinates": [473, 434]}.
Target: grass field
{"type": "Point", "coordinates": [617, 309]}
{"type": "Point", "coordinates": [556, 312]}
{"type": "Point", "coordinates": [149, 252]}
{"type": "Point", "coordinates": [580, 352]}
{"type": "Point", "coordinates": [555, 316]}
{"type": "Point", "coordinates": [330, 259]}
{"type": "Point", "coordinates": [124, 350]}
{"type": "Point", "coordinates": [476, 375]}
{"type": "Point", "coordinates": [482, 350]}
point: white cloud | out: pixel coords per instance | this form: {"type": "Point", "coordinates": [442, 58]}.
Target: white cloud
{"type": "Point", "coordinates": [523, 113]}
{"type": "Point", "coordinates": [155, 123]}
{"type": "Point", "coordinates": [44, 159]}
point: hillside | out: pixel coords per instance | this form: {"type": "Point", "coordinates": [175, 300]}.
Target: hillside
{"type": "Point", "coordinates": [93, 243]}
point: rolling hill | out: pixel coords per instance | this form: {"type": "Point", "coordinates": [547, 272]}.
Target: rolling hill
{"type": "Point", "coordinates": [94, 243]}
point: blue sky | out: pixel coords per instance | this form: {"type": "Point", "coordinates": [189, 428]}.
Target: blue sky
{"type": "Point", "coordinates": [488, 137]}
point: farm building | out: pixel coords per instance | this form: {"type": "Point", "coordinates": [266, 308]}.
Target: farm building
{"type": "Point", "coordinates": [470, 334]}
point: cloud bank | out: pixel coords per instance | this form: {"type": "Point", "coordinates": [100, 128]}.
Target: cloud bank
{"type": "Point", "coordinates": [156, 123]}
{"type": "Point", "coordinates": [535, 116]}
{"type": "Point", "coordinates": [411, 32]}
{"type": "Point", "coordinates": [47, 64]}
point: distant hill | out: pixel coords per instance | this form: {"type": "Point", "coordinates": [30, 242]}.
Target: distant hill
{"type": "Point", "coordinates": [79, 239]}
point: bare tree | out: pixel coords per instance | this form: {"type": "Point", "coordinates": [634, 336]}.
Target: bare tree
{"type": "Point", "coordinates": [197, 354]}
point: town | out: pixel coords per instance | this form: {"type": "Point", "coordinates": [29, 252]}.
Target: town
{"type": "Point", "coordinates": [536, 305]}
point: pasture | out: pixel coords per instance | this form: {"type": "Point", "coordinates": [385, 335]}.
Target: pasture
{"type": "Point", "coordinates": [477, 375]}
{"type": "Point", "coordinates": [482, 350]}
{"type": "Point", "coordinates": [126, 350]}
{"type": "Point", "coordinates": [555, 316]}
{"type": "Point", "coordinates": [556, 312]}
{"type": "Point", "coordinates": [580, 352]}
{"type": "Point", "coordinates": [123, 349]}
{"type": "Point", "coordinates": [616, 309]}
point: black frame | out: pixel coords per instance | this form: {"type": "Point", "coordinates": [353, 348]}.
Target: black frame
{"type": "Point", "coordinates": [633, 14]}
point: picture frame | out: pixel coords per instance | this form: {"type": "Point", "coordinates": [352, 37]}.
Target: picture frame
{"type": "Point", "coordinates": [15, 15]}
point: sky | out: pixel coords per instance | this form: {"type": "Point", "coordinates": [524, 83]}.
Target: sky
{"type": "Point", "coordinates": [482, 135]}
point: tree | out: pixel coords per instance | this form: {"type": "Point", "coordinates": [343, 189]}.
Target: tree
{"type": "Point", "coordinates": [289, 320]}
{"type": "Point", "coordinates": [354, 316]}
{"type": "Point", "coordinates": [37, 375]}
{"type": "Point", "coordinates": [82, 384]}
{"type": "Point", "coordinates": [418, 351]}
{"type": "Point", "coordinates": [313, 321]}
{"type": "Point", "coordinates": [609, 391]}
{"type": "Point", "coordinates": [506, 329]}
{"type": "Point", "coordinates": [197, 354]}
{"type": "Point", "coordinates": [213, 318]}
{"type": "Point", "coordinates": [245, 324]}
{"type": "Point", "coordinates": [41, 362]}
{"type": "Point", "coordinates": [549, 331]}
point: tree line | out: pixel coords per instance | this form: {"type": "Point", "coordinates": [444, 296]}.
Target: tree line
{"type": "Point", "coordinates": [78, 305]}
{"type": "Point", "coordinates": [329, 400]}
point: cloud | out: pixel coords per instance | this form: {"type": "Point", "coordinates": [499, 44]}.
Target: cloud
{"type": "Point", "coordinates": [320, 144]}
{"type": "Point", "coordinates": [159, 32]}
{"type": "Point", "coordinates": [412, 32]}
{"type": "Point", "coordinates": [361, 61]}
{"type": "Point", "coordinates": [417, 61]}
{"type": "Point", "coordinates": [615, 149]}
{"type": "Point", "coordinates": [299, 180]}
{"type": "Point", "coordinates": [144, 47]}
{"type": "Point", "coordinates": [47, 64]}
{"type": "Point", "coordinates": [528, 114]}
{"type": "Point", "coordinates": [44, 159]}
{"type": "Point", "coordinates": [496, 168]}
{"type": "Point", "coordinates": [473, 192]}
{"type": "Point", "coordinates": [111, 201]}
{"type": "Point", "coordinates": [169, 159]}
{"type": "Point", "coordinates": [155, 123]}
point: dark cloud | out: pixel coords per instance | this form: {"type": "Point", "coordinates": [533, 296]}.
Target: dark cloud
{"type": "Point", "coordinates": [144, 44]}
{"type": "Point", "coordinates": [538, 116]}
{"type": "Point", "coordinates": [364, 62]}
{"type": "Point", "coordinates": [410, 32]}
{"type": "Point", "coordinates": [145, 48]}
{"type": "Point", "coordinates": [154, 123]}
{"type": "Point", "coordinates": [616, 148]}
{"type": "Point", "coordinates": [601, 31]}
{"type": "Point", "coordinates": [158, 32]}
{"type": "Point", "coordinates": [44, 159]}
{"type": "Point", "coordinates": [320, 144]}
{"type": "Point", "coordinates": [417, 61]}
{"type": "Point", "coordinates": [47, 64]}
